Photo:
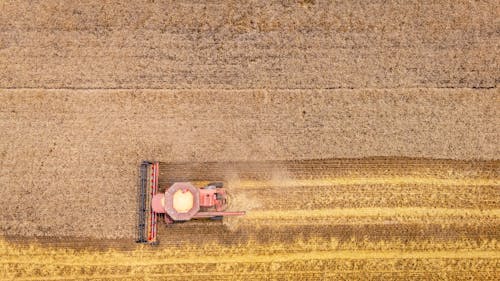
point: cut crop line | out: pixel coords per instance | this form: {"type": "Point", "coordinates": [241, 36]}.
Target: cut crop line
{"type": "Point", "coordinates": [236, 89]}
{"type": "Point", "coordinates": [229, 273]}
{"type": "Point", "coordinates": [353, 223]}
{"type": "Point", "coordinates": [370, 212]}
{"type": "Point", "coordinates": [123, 260]}
{"type": "Point", "coordinates": [365, 181]}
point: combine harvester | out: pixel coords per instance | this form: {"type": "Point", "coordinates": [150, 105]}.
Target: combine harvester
{"type": "Point", "coordinates": [182, 201]}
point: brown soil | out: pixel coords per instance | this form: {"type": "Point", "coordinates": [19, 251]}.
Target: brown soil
{"type": "Point", "coordinates": [69, 161]}
{"type": "Point", "coordinates": [250, 44]}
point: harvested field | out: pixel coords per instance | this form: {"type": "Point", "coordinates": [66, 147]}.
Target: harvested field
{"type": "Point", "coordinates": [81, 149]}
{"type": "Point", "coordinates": [360, 136]}
{"type": "Point", "coordinates": [249, 44]}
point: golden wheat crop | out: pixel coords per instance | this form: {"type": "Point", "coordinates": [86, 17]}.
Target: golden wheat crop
{"type": "Point", "coordinates": [386, 226]}
{"type": "Point", "coordinates": [330, 257]}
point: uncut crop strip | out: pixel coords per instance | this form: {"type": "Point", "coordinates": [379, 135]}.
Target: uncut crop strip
{"type": "Point", "coordinates": [370, 192]}
{"type": "Point", "coordinates": [340, 171]}
{"type": "Point", "coordinates": [365, 216]}
{"type": "Point", "coordinates": [396, 180]}
{"type": "Point", "coordinates": [374, 212]}
{"type": "Point", "coordinates": [332, 257]}
{"type": "Point", "coordinates": [373, 196]}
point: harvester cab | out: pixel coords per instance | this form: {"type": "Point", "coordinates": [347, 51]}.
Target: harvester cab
{"type": "Point", "coordinates": [182, 201]}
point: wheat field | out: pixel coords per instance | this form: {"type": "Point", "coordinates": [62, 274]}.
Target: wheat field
{"type": "Point", "coordinates": [361, 137]}
{"type": "Point", "coordinates": [306, 220]}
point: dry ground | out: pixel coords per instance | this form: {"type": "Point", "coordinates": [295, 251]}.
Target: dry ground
{"type": "Point", "coordinates": [69, 160]}
{"type": "Point", "coordinates": [397, 101]}
{"type": "Point", "coordinates": [249, 44]}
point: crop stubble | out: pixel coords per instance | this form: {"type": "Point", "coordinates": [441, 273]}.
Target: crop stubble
{"type": "Point", "coordinates": [250, 44]}
{"type": "Point", "coordinates": [80, 150]}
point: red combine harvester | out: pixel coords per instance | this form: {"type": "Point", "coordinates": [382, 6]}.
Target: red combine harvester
{"type": "Point", "coordinates": [182, 201]}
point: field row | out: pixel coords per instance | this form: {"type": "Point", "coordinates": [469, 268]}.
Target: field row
{"type": "Point", "coordinates": [301, 257]}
